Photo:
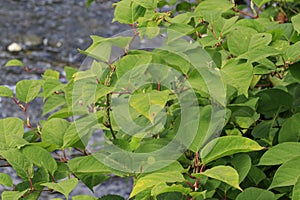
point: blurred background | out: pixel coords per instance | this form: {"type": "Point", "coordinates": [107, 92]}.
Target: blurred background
{"type": "Point", "coordinates": [46, 34]}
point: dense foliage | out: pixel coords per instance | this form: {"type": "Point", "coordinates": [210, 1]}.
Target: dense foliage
{"type": "Point", "coordinates": [214, 115]}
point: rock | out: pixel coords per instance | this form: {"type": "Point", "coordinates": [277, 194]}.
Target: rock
{"type": "Point", "coordinates": [54, 43]}
{"type": "Point", "coordinates": [14, 47]}
{"type": "Point", "coordinates": [32, 42]}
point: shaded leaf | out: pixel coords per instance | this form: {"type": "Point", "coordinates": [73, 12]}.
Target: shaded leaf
{"type": "Point", "coordinates": [287, 174]}
{"type": "Point", "coordinates": [280, 153]}
{"type": "Point", "coordinates": [296, 190]}
{"type": "Point", "coordinates": [164, 188]}
{"type": "Point", "coordinates": [255, 193]}
{"type": "Point", "coordinates": [294, 69]}
{"type": "Point", "coordinates": [281, 101]}
{"type": "Point", "coordinates": [242, 164]}
{"type": "Point", "coordinates": [290, 130]}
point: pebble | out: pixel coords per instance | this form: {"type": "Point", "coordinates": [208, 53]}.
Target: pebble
{"type": "Point", "coordinates": [14, 47]}
{"type": "Point", "coordinates": [32, 42]}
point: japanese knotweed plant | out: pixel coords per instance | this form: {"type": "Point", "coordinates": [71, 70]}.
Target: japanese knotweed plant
{"type": "Point", "coordinates": [198, 100]}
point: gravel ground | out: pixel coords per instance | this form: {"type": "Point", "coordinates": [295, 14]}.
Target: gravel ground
{"type": "Point", "coordinates": [47, 34]}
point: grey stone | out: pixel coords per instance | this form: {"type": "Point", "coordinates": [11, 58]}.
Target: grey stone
{"type": "Point", "coordinates": [32, 42]}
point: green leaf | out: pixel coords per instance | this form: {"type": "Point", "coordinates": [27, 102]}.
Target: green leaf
{"type": "Point", "coordinates": [149, 104]}
{"type": "Point", "coordinates": [225, 174]}
{"type": "Point", "coordinates": [259, 39]}
{"type": "Point", "coordinates": [244, 114]}
{"type": "Point", "coordinates": [20, 163]}
{"type": "Point", "coordinates": [252, 193]}
{"type": "Point", "coordinates": [296, 22]}
{"type": "Point", "coordinates": [281, 101]}
{"type": "Point", "coordinates": [88, 3]}
{"type": "Point", "coordinates": [40, 157]}
{"type": "Point", "coordinates": [51, 74]}
{"type": "Point", "coordinates": [64, 187]}
{"type": "Point", "coordinates": [261, 52]}
{"type": "Point", "coordinates": [14, 62]}
{"type": "Point", "coordinates": [287, 174]}
{"type": "Point", "coordinates": [127, 11]}
{"type": "Point", "coordinates": [153, 179]}
{"type": "Point", "coordinates": [12, 195]}
{"type": "Point", "coordinates": [5, 180]}
{"type": "Point", "coordinates": [149, 4]}
{"type": "Point", "coordinates": [296, 190]}
{"type": "Point", "coordinates": [171, 195]}
{"type": "Point", "coordinates": [129, 62]}
{"type": "Point", "coordinates": [290, 130]}
{"type": "Point", "coordinates": [263, 129]}
{"type": "Point", "coordinates": [84, 95]}
{"type": "Point", "coordinates": [111, 197]}
{"type": "Point", "coordinates": [84, 197]}
{"type": "Point", "coordinates": [62, 171]}
{"type": "Point", "coordinates": [53, 131]}
{"type": "Point", "coordinates": [253, 24]}
{"type": "Point", "coordinates": [70, 71]}
{"type": "Point", "coordinates": [242, 164]}
{"type": "Point", "coordinates": [227, 145]}
{"type": "Point", "coordinates": [256, 175]}
{"type": "Point", "coordinates": [5, 92]}
{"type": "Point", "coordinates": [292, 52]}
{"type": "Point", "coordinates": [12, 131]}
{"type": "Point", "coordinates": [280, 153]}
{"type": "Point", "coordinates": [240, 35]}
{"type": "Point", "coordinates": [214, 5]}
{"type": "Point", "coordinates": [239, 75]}
{"type": "Point", "coordinates": [87, 164]}
{"type": "Point", "coordinates": [89, 170]}
{"type": "Point", "coordinates": [101, 47]}
{"type": "Point", "coordinates": [203, 131]}
{"type": "Point", "coordinates": [52, 103]}
{"type": "Point", "coordinates": [180, 30]}
{"type": "Point", "coordinates": [294, 69]}
{"type": "Point", "coordinates": [164, 188]}
{"type": "Point", "coordinates": [173, 60]}
{"type": "Point", "coordinates": [27, 90]}
{"type": "Point", "coordinates": [260, 3]}
{"type": "Point", "coordinates": [50, 86]}
{"type": "Point", "coordinates": [72, 136]}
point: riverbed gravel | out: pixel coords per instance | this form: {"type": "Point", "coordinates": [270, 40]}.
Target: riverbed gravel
{"type": "Point", "coordinates": [45, 34]}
